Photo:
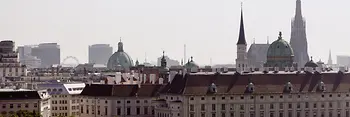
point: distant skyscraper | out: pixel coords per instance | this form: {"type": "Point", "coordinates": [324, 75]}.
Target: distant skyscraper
{"type": "Point", "coordinates": [330, 61]}
{"type": "Point", "coordinates": [100, 53]}
{"type": "Point", "coordinates": [343, 60]}
{"type": "Point", "coordinates": [26, 58]}
{"type": "Point", "coordinates": [48, 53]}
{"type": "Point", "coordinates": [298, 39]}
{"type": "Point", "coordinates": [241, 61]}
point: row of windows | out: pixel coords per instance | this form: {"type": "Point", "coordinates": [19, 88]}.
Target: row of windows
{"type": "Point", "coordinates": [137, 109]}
{"type": "Point", "coordinates": [18, 105]}
{"type": "Point", "coordinates": [118, 102]}
{"type": "Point", "coordinates": [272, 114]}
{"type": "Point", "coordinates": [271, 106]}
{"type": "Point", "coordinates": [60, 114]}
{"type": "Point", "coordinates": [272, 97]}
{"type": "Point", "coordinates": [60, 108]}
{"type": "Point", "coordinates": [10, 70]}
{"type": "Point", "coordinates": [59, 102]}
{"type": "Point", "coordinates": [58, 96]}
{"type": "Point", "coordinates": [93, 110]}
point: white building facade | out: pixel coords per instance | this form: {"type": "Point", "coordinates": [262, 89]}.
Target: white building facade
{"type": "Point", "coordinates": [65, 99]}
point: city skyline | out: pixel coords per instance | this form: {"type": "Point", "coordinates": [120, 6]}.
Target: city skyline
{"type": "Point", "coordinates": [149, 29]}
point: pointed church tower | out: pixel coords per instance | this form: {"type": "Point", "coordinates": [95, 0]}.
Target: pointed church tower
{"type": "Point", "coordinates": [330, 61]}
{"type": "Point", "coordinates": [241, 61]}
{"type": "Point", "coordinates": [298, 39]}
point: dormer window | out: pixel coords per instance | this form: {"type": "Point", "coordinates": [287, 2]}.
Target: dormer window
{"type": "Point", "coordinates": [321, 86]}
{"type": "Point", "coordinates": [288, 87]}
{"type": "Point", "coordinates": [250, 87]}
{"type": "Point", "coordinates": [212, 88]}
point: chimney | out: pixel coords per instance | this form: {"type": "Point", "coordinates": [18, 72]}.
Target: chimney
{"type": "Point", "coordinates": [160, 80]}
{"type": "Point", "coordinates": [276, 69]}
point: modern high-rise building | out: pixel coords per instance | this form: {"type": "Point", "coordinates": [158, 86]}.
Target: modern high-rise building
{"type": "Point", "coordinates": [343, 60]}
{"type": "Point", "coordinates": [48, 53]}
{"type": "Point", "coordinates": [26, 58]}
{"type": "Point", "coordinates": [100, 53]}
{"type": "Point", "coordinates": [298, 39]}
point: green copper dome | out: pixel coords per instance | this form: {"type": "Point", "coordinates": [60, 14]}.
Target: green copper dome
{"type": "Point", "coordinates": [191, 64]}
{"type": "Point", "coordinates": [280, 48]}
{"type": "Point", "coordinates": [120, 59]}
{"type": "Point", "coordinates": [280, 54]}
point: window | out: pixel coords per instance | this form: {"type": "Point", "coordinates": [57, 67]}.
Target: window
{"type": "Point", "coordinates": [137, 101]}
{"type": "Point", "coordinates": [119, 111]}
{"type": "Point", "coordinates": [232, 114]}
{"type": "Point", "coordinates": [241, 107]}
{"type": "Point", "coordinates": [145, 110]}
{"type": "Point", "coordinates": [128, 111]}
{"type": "Point", "coordinates": [137, 110]}
{"type": "Point", "coordinates": [347, 104]}
{"type": "Point", "coordinates": [145, 101]}
{"type": "Point", "coordinates": [213, 115]}
{"type": "Point", "coordinates": [213, 98]}
{"type": "Point", "coordinates": [223, 114]}
{"type": "Point", "coordinates": [330, 105]}
{"type": "Point", "coordinates": [106, 101]}
{"type": "Point", "coordinates": [202, 107]}
{"type": "Point", "coordinates": [11, 105]}
{"type": "Point", "coordinates": [128, 102]}
{"type": "Point", "coordinates": [271, 97]}
{"type": "Point", "coordinates": [203, 114]}
{"type": "Point", "coordinates": [272, 114]}
{"type": "Point", "coordinates": [261, 106]}
{"type": "Point", "coordinates": [298, 105]}
{"type": "Point", "coordinates": [290, 106]}
{"type": "Point", "coordinates": [271, 106]}
{"type": "Point", "coordinates": [232, 107]}
{"type": "Point", "coordinates": [281, 114]}
{"type": "Point", "coordinates": [223, 107]}
{"type": "Point", "coordinates": [213, 107]}
{"type": "Point", "coordinates": [191, 107]}
{"type": "Point", "coordinates": [202, 98]}
{"type": "Point", "coordinates": [192, 98]}
{"type": "Point", "coordinates": [281, 105]}
{"type": "Point", "coordinates": [315, 105]}
{"type": "Point", "coordinates": [306, 104]}
{"type": "Point", "coordinates": [3, 105]}
{"type": "Point", "coordinates": [261, 97]}
{"type": "Point", "coordinates": [290, 114]}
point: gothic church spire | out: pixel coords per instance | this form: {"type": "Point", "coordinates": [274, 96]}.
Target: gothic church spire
{"type": "Point", "coordinates": [241, 38]}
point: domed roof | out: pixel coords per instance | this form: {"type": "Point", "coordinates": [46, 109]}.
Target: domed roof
{"type": "Point", "coordinates": [280, 48]}
{"type": "Point", "coordinates": [120, 58]}
{"type": "Point", "coordinates": [191, 64]}
{"type": "Point", "coordinates": [311, 63]}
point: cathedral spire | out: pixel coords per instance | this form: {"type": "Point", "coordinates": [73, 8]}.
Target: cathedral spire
{"type": "Point", "coordinates": [241, 38]}
{"type": "Point", "coordinates": [298, 9]}
{"type": "Point", "coordinates": [330, 61]}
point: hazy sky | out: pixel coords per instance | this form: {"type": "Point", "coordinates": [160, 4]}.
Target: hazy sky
{"type": "Point", "coordinates": [209, 28]}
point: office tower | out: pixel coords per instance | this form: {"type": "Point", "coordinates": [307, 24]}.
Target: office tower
{"type": "Point", "coordinates": [48, 53]}
{"type": "Point", "coordinates": [100, 53]}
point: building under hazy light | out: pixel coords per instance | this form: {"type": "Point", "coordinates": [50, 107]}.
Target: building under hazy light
{"type": "Point", "coordinates": [100, 53]}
